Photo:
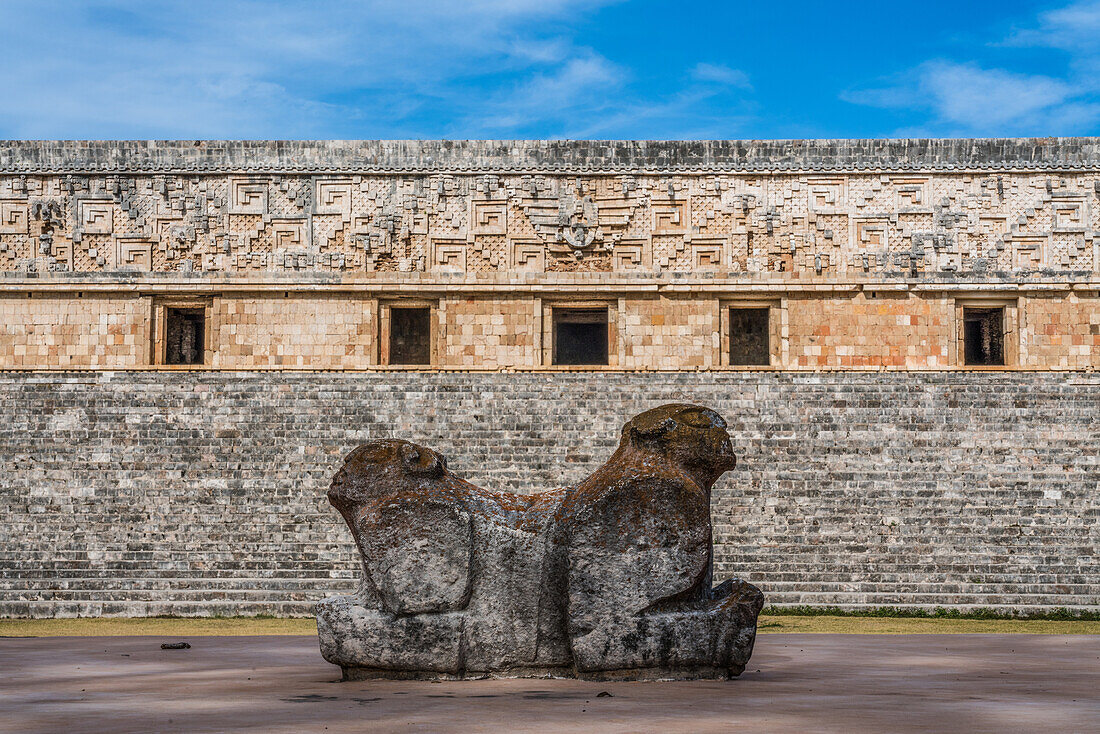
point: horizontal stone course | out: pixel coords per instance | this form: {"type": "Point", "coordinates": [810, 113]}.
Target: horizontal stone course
{"type": "Point", "coordinates": [272, 156]}
{"type": "Point", "coordinates": [199, 493]}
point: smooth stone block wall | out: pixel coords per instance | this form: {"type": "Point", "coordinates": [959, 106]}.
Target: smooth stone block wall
{"type": "Point", "coordinates": [200, 493]}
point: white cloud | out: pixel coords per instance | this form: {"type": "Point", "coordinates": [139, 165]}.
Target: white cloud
{"type": "Point", "coordinates": [1075, 26]}
{"type": "Point", "coordinates": [375, 68]}
{"type": "Point", "coordinates": [685, 115]}
{"type": "Point", "coordinates": [970, 95]}
{"type": "Point", "coordinates": [577, 78]}
{"type": "Point", "coordinates": [972, 98]}
{"type": "Point", "coordinates": [721, 74]}
{"type": "Point", "coordinates": [578, 88]}
{"type": "Point", "coordinates": [589, 97]}
{"type": "Point", "coordinates": [965, 98]}
{"type": "Point", "coordinates": [242, 68]}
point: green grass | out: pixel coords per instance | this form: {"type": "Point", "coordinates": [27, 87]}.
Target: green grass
{"type": "Point", "coordinates": [1050, 615]}
{"type": "Point", "coordinates": [162, 626]}
{"type": "Point", "coordinates": [882, 625]}
{"type": "Point", "coordinates": [773, 620]}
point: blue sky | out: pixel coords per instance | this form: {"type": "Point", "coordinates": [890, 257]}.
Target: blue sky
{"type": "Point", "coordinates": [548, 69]}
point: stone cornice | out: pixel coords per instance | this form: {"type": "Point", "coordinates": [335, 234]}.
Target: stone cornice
{"type": "Point", "coordinates": [546, 156]}
{"type": "Point", "coordinates": [394, 285]}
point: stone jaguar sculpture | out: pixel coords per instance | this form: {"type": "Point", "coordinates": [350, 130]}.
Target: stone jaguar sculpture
{"type": "Point", "coordinates": [608, 579]}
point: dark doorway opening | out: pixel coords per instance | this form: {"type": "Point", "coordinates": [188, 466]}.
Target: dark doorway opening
{"type": "Point", "coordinates": [184, 335]}
{"type": "Point", "coordinates": [410, 336]}
{"type": "Point", "coordinates": [983, 336]}
{"type": "Point", "coordinates": [580, 336]}
{"type": "Point", "coordinates": [750, 343]}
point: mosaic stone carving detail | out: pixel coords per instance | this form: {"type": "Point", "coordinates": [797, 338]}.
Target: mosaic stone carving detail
{"type": "Point", "coordinates": [782, 225]}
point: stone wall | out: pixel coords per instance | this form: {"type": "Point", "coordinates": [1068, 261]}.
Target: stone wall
{"type": "Point", "coordinates": [203, 492]}
{"type": "Point", "coordinates": [558, 156]}
{"type": "Point", "coordinates": [685, 331]}
{"type": "Point", "coordinates": [785, 227]}
{"type": "Point", "coordinates": [489, 333]}
{"type": "Point", "coordinates": [868, 250]}
{"type": "Point", "coordinates": [97, 331]}
{"type": "Point", "coordinates": [272, 330]}
{"type": "Point", "coordinates": [1062, 333]}
{"type": "Point", "coordinates": [892, 330]}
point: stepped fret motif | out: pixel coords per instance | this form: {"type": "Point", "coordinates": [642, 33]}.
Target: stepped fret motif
{"type": "Point", "coordinates": [865, 225]}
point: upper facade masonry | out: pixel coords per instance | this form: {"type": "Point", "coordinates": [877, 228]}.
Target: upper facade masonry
{"type": "Point", "coordinates": [546, 156]}
{"type": "Point", "coordinates": [828, 254]}
{"type": "Point", "coordinates": [737, 213]}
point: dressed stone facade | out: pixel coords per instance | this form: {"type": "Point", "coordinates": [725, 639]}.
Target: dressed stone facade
{"type": "Point", "coordinates": [250, 311]}
{"type": "Point", "coordinates": [865, 251]}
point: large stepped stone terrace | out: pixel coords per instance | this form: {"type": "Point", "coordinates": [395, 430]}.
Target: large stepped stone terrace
{"type": "Point", "coordinates": [903, 489]}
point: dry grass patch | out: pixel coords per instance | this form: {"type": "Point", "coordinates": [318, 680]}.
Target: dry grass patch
{"type": "Point", "coordinates": [923, 626]}
{"type": "Point", "coordinates": [163, 626]}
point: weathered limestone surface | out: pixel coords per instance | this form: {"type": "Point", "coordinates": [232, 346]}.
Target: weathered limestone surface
{"type": "Point", "coordinates": [610, 578]}
{"type": "Point", "coordinates": [428, 156]}
{"type": "Point", "coordinates": [928, 213]}
{"type": "Point", "coordinates": [199, 493]}
{"type": "Point", "coordinates": [132, 492]}
{"type": "Point", "coordinates": [866, 252]}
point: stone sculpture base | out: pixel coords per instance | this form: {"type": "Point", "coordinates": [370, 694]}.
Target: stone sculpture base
{"type": "Point", "coordinates": [632, 674]}
{"type": "Point", "coordinates": [350, 634]}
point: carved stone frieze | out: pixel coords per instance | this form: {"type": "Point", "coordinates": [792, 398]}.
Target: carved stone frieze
{"type": "Point", "coordinates": [959, 218]}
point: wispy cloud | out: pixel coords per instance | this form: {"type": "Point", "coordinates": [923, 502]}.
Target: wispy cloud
{"type": "Point", "coordinates": [575, 90]}
{"type": "Point", "coordinates": [376, 68]}
{"type": "Point", "coordinates": [720, 74]}
{"type": "Point", "coordinates": [963, 97]}
{"type": "Point", "coordinates": [966, 99]}
{"type": "Point", "coordinates": [536, 68]}
{"type": "Point", "coordinates": [1073, 27]}
{"type": "Point", "coordinates": [243, 68]}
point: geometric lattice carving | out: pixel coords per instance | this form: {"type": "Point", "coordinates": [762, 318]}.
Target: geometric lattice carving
{"type": "Point", "coordinates": [709, 255]}
{"type": "Point", "coordinates": [288, 233]}
{"type": "Point", "coordinates": [670, 216]}
{"type": "Point", "coordinates": [1069, 215]}
{"type": "Point", "coordinates": [872, 234]}
{"type": "Point", "coordinates": [334, 196]}
{"type": "Point", "coordinates": [825, 195]}
{"type": "Point", "coordinates": [629, 255]}
{"type": "Point", "coordinates": [62, 253]}
{"type": "Point", "coordinates": [1029, 252]}
{"type": "Point", "coordinates": [874, 222]}
{"type": "Point", "coordinates": [911, 193]}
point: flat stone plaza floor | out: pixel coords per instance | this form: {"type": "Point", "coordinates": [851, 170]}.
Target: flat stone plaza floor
{"type": "Point", "coordinates": [794, 683]}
